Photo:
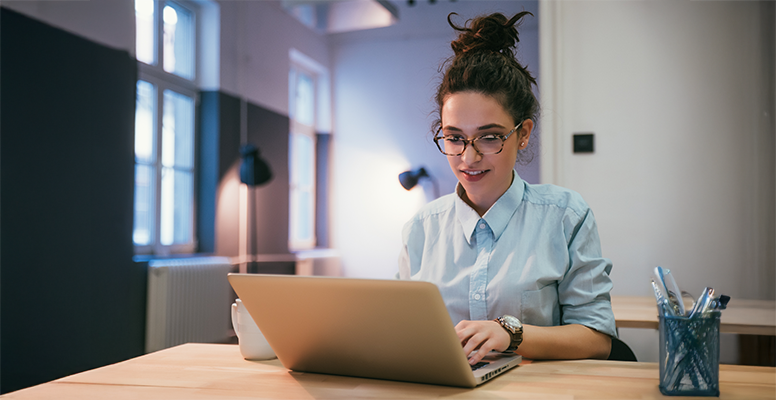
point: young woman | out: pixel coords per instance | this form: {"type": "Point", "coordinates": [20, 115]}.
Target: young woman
{"type": "Point", "coordinates": [519, 266]}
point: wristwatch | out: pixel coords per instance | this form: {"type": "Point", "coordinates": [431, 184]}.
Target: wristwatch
{"type": "Point", "coordinates": [514, 327]}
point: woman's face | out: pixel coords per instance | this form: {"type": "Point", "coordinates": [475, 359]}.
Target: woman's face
{"type": "Point", "coordinates": [484, 177]}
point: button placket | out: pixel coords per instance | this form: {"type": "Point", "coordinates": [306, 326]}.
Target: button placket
{"type": "Point", "coordinates": [478, 279]}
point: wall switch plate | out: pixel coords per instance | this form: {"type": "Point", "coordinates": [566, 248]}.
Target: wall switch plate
{"type": "Point", "coordinates": [584, 143]}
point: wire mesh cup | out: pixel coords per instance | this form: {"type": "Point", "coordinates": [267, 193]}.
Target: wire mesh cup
{"type": "Point", "coordinates": [689, 355]}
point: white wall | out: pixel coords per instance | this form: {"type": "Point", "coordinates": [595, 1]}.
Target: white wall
{"type": "Point", "coordinates": [383, 82]}
{"type": "Point", "coordinates": [256, 37]}
{"type": "Point", "coordinates": [680, 97]}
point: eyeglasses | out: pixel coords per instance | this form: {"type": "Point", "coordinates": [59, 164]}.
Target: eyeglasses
{"type": "Point", "coordinates": [455, 145]}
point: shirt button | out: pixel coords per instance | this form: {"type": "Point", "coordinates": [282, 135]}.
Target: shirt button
{"type": "Point", "coordinates": [482, 226]}
{"type": "Point", "coordinates": [477, 296]}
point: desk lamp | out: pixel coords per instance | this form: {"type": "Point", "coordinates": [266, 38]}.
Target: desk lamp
{"type": "Point", "coordinates": [254, 172]}
{"type": "Point", "coordinates": [409, 179]}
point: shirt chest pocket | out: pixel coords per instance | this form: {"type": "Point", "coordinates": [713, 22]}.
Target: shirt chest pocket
{"type": "Point", "coordinates": [540, 307]}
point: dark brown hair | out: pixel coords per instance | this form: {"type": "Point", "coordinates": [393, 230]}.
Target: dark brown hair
{"type": "Point", "coordinates": [484, 62]}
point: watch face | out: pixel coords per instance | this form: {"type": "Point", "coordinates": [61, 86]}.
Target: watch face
{"type": "Point", "coordinates": [513, 322]}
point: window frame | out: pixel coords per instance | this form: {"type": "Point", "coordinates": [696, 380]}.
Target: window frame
{"type": "Point", "coordinates": [163, 80]}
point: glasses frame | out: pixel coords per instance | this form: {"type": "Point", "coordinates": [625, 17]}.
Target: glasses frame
{"type": "Point", "coordinates": [472, 141]}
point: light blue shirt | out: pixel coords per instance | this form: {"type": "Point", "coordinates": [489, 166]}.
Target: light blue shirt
{"type": "Point", "coordinates": [535, 254]}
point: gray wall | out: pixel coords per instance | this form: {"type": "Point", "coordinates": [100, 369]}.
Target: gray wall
{"type": "Point", "coordinates": [680, 95]}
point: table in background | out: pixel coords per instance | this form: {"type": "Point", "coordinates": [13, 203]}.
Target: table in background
{"type": "Point", "coordinates": [212, 371]}
{"type": "Point", "coordinates": [755, 320]}
{"type": "Point", "coordinates": [745, 317]}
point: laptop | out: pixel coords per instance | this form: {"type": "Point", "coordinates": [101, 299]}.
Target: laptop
{"type": "Point", "coordinates": [385, 329]}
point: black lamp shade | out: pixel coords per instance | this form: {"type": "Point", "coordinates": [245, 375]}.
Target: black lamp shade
{"type": "Point", "coordinates": [254, 170]}
{"type": "Point", "coordinates": [409, 179]}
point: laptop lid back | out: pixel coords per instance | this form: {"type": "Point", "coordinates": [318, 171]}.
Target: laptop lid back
{"type": "Point", "coordinates": [386, 329]}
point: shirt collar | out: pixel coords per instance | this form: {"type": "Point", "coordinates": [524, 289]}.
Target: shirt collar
{"type": "Point", "coordinates": [498, 216]}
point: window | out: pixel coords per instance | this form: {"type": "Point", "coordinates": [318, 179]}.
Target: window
{"type": "Point", "coordinates": [164, 127]}
{"type": "Point", "coordinates": [302, 84]}
{"type": "Point", "coordinates": [310, 116]}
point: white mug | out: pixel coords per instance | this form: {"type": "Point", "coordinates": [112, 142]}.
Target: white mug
{"type": "Point", "coordinates": [253, 345]}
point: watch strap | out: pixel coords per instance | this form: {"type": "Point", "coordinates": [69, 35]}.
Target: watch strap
{"type": "Point", "coordinates": [515, 332]}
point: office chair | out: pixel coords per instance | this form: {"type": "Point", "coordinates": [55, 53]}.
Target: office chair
{"type": "Point", "coordinates": [620, 351]}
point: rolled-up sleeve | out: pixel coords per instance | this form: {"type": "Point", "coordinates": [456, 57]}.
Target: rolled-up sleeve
{"type": "Point", "coordinates": [583, 293]}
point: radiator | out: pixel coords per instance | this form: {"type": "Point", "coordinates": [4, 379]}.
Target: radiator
{"type": "Point", "coordinates": [188, 301]}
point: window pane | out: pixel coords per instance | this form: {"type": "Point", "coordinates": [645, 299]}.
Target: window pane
{"type": "Point", "coordinates": [304, 157]}
{"type": "Point", "coordinates": [145, 31]}
{"type": "Point", "coordinates": [144, 122]}
{"type": "Point", "coordinates": [291, 92]}
{"type": "Point", "coordinates": [177, 169]}
{"type": "Point", "coordinates": [178, 130]}
{"type": "Point", "coordinates": [184, 201]}
{"type": "Point", "coordinates": [145, 175]}
{"type": "Point", "coordinates": [305, 215]}
{"type": "Point", "coordinates": [301, 218]}
{"type": "Point", "coordinates": [167, 223]}
{"type": "Point", "coordinates": [302, 211]}
{"type": "Point", "coordinates": [177, 202]}
{"type": "Point", "coordinates": [305, 99]}
{"type": "Point", "coordinates": [144, 204]}
{"type": "Point", "coordinates": [178, 40]}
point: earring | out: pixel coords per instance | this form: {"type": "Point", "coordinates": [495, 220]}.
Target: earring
{"type": "Point", "coordinates": [522, 144]}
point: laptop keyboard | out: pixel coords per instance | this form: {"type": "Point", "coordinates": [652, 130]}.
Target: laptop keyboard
{"type": "Point", "coordinates": [479, 365]}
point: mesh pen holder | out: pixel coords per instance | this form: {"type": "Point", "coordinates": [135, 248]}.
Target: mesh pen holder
{"type": "Point", "coordinates": [689, 355]}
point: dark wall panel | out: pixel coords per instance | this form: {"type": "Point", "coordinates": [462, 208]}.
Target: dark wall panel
{"type": "Point", "coordinates": [71, 298]}
{"type": "Point", "coordinates": [229, 132]}
{"type": "Point", "coordinates": [207, 170]}
{"type": "Point", "coordinates": [322, 152]}
{"type": "Point", "coordinates": [268, 131]}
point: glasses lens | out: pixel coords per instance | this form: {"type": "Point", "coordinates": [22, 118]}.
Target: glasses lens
{"type": "Point", "coordinates": [452, 145]}
{"type": "Point", "coordinates": [488, 144]}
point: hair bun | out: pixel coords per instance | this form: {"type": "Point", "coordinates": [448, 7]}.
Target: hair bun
{"type": "Point", "coordinates": [492, 33]}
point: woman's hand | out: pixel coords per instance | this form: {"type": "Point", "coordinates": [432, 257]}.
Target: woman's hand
{"type": "Point", "coordinates": [483, 336]}
{"type": "Point", "coordinates": [569, 342]}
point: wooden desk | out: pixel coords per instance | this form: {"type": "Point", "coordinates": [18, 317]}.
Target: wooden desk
{"type": "Point", "coordinates": [212, 371]}
{"type": "Point", "coordinates": [746, 317]}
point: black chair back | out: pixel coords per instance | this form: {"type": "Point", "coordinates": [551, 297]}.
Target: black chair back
{"type": "Point", "coordinates": [620, 351]}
